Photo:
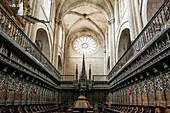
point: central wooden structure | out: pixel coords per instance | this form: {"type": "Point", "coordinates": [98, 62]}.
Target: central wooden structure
{"type": "Point", "coordinates": [81, 105]}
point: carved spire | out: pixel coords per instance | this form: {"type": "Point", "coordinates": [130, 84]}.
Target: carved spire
{"type": "Point", "coordinates": [83, 67]}
{"type": "Point", "coordinates": [76, 72]}
{"type": "Point", "coordinates": [83, 77]}
{"type": "Point", "coordinates": [89, 72]}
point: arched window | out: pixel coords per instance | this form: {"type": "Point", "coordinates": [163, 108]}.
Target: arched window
{"type": "Point", "coordinates": [42, 42]}
{"type": "Point", "coordinates": [124, 42]}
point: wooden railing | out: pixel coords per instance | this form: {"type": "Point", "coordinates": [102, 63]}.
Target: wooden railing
{"type": "Point", "coordinates": [145, 37]}
{"type": "Point", "coordinates": [8, 25]}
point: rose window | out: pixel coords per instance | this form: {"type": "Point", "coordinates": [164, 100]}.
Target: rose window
{"type": "Point", "coordinates": [84, 45]}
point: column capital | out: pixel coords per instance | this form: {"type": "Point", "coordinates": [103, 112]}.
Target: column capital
{"type": "Point", "coordinates": [111, 21]}
{"type": "Point", "coordinates": [58, 21]}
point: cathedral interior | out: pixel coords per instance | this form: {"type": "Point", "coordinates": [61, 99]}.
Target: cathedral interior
{"type": "Point", "coordinates": [84, 56]}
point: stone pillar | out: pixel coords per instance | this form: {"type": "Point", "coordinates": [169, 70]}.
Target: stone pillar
{"type": "Point", "coordinates": [36, 15]}
{"type": "Point", "coordinates": [138, 17]}
{"type": "Point", "coordinates": [29, 25]}
{"type": "Point", "coordinates": [106, 50]}
{"type": "Point", "coordinates": [116, 12]}
{"type": "Point", "coordinates": [112, 42]}
{"type": "Point", "coordinates": [56, 45]}
{"type": "Point", "coordinates": [131, 21]}
{"type": "Point", "coordinates": [134, 18]}
{"type": "Point", "coordinates": [105, 61]}
{"type": "Point", "coordinates": [109, 42]}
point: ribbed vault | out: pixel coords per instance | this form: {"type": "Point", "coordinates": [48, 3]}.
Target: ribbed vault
{"type": "Point", "coordinates": [88, 14]}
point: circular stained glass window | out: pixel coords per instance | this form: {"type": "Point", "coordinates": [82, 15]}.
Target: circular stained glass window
{"type": "Point", "coordinates": [84, 45]}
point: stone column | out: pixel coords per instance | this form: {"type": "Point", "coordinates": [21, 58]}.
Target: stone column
{"type": "Point", "coordinates": [134, 18]}
{"type": "Point", "coordinates": [36, 15]}
{"type": "Point", "coordinates": [138, 17]}
{"type": "Point", "coordinates": [109, 42]}
{"type": "Point", "coordinates": [106, 50]}
{"type": "Point", "coordinates": [28, 25]}
{"type": "Point", "coordinates": [116, 11]}
{"type": "Point", "coordinates": [105, 57]}
{"type": "Point", "coordinates": [131, 21]}
{"type": "Point", "coordinates": [56, 44]}
{"type": "Point", "coordinates": [112, 42]}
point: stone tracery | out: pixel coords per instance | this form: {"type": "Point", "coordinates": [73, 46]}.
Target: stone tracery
{"type": "Point", "coordinates": [84, 45]}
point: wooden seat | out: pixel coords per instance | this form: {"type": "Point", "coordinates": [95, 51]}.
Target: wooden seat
{"type": "Point", "coordinates": [113, 110]}
{"type": "Point", "coordinates": [89, 111]}
{"type": "Point", "coordinates": [75, 111]}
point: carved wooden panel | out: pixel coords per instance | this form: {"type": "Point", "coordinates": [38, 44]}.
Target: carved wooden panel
{"type": "Point", "coordinates": [131, 94]}
{"type": "Point", "coordinates": [167, 87]}
{"type": "Point", "coordinates": [2, 87]}
{"type": "Point", "coordinates": [144, 94]}
{"type": "Point", "coordinates": [159, 91]}
{"type": "Point", "coordinates": [110, 98]}
{"type": "Point", "coordinates": [11, 89]}
{"type": "Point", "coordinates": [135, 91]}
{"type": "Point", "coordinates": [151, 91]}
{"type": "Point", "coordinates": [24, 92]}
{"type": "Point", "coordinates": [124, 96]}
{"type": "Point", "coordinates": [19, 90]}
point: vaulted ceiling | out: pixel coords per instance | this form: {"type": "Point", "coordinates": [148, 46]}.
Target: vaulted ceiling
{"type": "Point", "coordinates": [77, 15]}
